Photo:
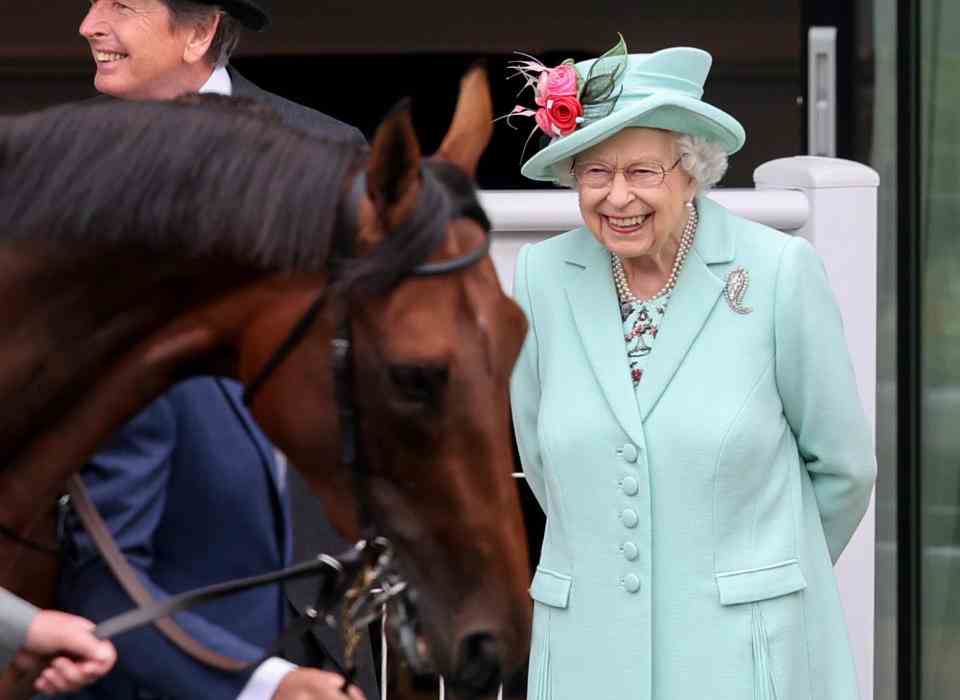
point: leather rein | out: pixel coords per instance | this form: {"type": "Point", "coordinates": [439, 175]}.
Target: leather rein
{"type": "Point", "coordinates": [364, 576]}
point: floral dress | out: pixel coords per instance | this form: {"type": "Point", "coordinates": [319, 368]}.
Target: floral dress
{"type": "Point", "coordinates": [641, 323]}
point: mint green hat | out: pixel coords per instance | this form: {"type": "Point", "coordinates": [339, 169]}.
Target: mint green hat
{"type": "Point", "coordinates": [660, 90]}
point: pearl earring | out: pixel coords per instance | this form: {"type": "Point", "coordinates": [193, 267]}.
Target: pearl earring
{"type": "Point", "coordinates": [689, 205]}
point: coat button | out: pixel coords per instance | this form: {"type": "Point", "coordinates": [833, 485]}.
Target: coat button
{"type": "Point", "coordinates": [630, 486]}
{"type": "Point", "coordinates": [629, 517]}
{"type": "Point", "coordinates": [629, 452]}
{"type": "Point", "coordinates": [631, 582]}
{"type": "Point", "coordinates": [630, 551]}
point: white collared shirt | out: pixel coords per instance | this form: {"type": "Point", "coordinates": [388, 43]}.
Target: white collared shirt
{"type": "Point", "coordinates": [219, 82]}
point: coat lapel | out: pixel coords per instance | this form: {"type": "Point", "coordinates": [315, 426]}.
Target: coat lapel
{"type": "Point", "coordinates": [696, 294]}
{"type": "Point", "coordinates": [233, 393]}
{"type": "Point", "coordinates": [593, 300]}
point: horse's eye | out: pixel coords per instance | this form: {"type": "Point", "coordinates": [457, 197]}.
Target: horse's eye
{"type": "Point", "coordinates": [420, 383]}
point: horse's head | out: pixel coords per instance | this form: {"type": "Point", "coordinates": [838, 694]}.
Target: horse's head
{"type": "Point", "coordinates": [432, 357]}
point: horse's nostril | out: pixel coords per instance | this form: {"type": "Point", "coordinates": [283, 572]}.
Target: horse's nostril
{"type": "Point", "coordinates": [479, 670]}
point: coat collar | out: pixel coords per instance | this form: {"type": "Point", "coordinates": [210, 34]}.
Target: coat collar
{"type": "Point", "coordinates": [241, 87]}
{"type": "Point", "coordinates": [593, 300]}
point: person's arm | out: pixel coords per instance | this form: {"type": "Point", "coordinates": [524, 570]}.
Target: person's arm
{"type": "Point", "coordinates": [74, 657]}
{"type": "Point", "coordinates": [819, 394]}
{"type": "Point", "coordinates": [128, 483]}
{"type": "Point", "coordinates": [16, 615]}
{"type": "Point", "coordinates": [65, 644]}
{"type": "Point", "coordinates": [525, 388]}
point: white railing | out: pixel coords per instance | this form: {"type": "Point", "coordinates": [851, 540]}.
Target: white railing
{"type": "Point", "coordinates": [833, 204]}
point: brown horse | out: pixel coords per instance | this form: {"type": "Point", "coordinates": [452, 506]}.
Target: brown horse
{"type": "Point", "coordinates": [141, 243]}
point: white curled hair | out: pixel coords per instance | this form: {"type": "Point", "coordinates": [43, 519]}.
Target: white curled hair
{"type": "Point", "coordinates": [705, 161]}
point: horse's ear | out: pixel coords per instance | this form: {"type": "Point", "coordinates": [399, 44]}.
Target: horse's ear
{"type": "Point", "coordinates": [472, 124]}
{"type": "Point", "coordinates": [394, 168]}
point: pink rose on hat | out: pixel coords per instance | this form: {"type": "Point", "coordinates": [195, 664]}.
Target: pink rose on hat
{"type": "Point", "coordinates": [555, 82]}
{"type": "Point", "coordinates": [562, 80]}
{"type": "Point", "coordinates": [556, 91]}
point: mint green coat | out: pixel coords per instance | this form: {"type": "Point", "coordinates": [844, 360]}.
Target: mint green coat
{"type": "Point", "coordinates": [691, 526]}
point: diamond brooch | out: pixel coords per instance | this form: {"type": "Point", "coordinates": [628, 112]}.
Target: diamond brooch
{"type": "Point", "coordinates": [736, 289]}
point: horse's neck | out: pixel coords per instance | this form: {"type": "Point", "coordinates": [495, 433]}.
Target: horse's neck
{"type": "Point", "coordinates": [74, 361]}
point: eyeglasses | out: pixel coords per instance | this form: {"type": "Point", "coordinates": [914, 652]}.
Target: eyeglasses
{"type": "Point", "coordinates": [640, 175]}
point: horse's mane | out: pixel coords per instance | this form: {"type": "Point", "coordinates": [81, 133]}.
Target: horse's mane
{"type": "Point", "coordinates": [199, 179]}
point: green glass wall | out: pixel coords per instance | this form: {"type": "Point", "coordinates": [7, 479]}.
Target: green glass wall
{"type": "Point", "coordinates": [938, 520]}
{"type": "Point", "coordinates": [875, 108]}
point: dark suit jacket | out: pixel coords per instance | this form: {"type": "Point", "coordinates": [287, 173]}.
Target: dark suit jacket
{"type": "Point", "coordinates": [191, 490]}
{"type": "Point", "coordinates": [294, 114]}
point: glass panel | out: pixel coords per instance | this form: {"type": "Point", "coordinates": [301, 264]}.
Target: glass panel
{"type": "Point", "coordinates": [875, 142]}
{"type": "Point", "coordinates": [939, 519]}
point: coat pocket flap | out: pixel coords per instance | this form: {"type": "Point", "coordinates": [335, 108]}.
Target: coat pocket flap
{"type": "Point", "coordinates": [550, 588]}
{"type": "Point", "coordinates": [765, 582]}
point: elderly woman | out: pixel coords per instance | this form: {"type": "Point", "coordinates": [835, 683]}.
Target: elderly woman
{"type": "Point", "coordinates": [685, 409]}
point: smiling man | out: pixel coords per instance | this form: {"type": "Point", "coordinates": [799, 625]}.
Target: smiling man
{"type": "Point", "coordinates": [162, 49]}
{"type": "Point", "coordinates": [149, 49]}
{"type": "Point", "coordinates": [174, 482]}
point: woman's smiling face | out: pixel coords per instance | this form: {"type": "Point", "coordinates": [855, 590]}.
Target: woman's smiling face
{"type": "Point", "coordinates": [636, 219]}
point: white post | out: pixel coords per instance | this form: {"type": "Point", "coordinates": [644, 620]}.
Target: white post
{"type": "Point", "coordinates": [842, 226]}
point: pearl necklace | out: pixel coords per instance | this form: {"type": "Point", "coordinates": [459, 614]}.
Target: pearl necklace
{"type": "Point", "coordinates": [620, 277]}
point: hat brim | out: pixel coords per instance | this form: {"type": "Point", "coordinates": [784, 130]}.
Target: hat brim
{"type": "Point", "coordinates": [678, 113]}
{"type": "Point", "coordinates": [247, 13]}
